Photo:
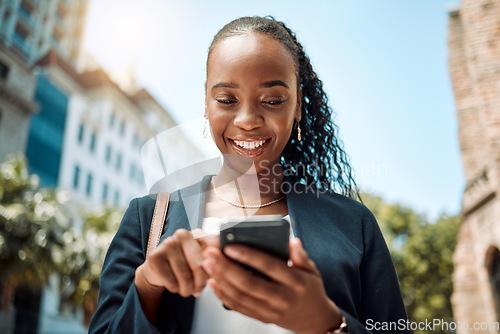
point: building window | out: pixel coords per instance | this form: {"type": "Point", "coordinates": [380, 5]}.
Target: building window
{"type": "Point", "coordinates": [21, 32]}
{"type": "Point", "coordinates": [20, 38]}
{"type": "Point", "coordinates": [493, 264]}
{"type": "Point", "coordinates": [134, 139]}
{"type": "Point", "coordinates": [122, 128]}
{"type": "Point", "coordinates": [108, 154]}
{"type": "Point", "coordinates": [81, 133]}
{"type": "Point", "coordinates": [76, 177]}
{"type": "Point", "coordinates": [140, 176]}
{"type": "Point", "coordinates": [105, 190]}
{"type": "Point", "coordinates": [132, 171]}
{"type": "Point", "coordinates": [88, 188]}
{"type": "Point", "coordinates": [4, 71]}
{"type": "Point", "coordinates": [92, 141]}
{"type": "Point", "coordinates": [24, 10]}
{"type": "Point", "coordinates": [118, 161]}
{"type": "Point", "coordinates": [117, 197]}
{"type": "Point", "coordinates": [112, 119]}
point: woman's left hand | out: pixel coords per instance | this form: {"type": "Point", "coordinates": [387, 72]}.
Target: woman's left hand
{"type": "Point", "coordinates": [294, 298]}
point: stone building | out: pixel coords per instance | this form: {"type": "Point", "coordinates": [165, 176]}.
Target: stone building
{"type": "Point", "coordinates": [474, 63]}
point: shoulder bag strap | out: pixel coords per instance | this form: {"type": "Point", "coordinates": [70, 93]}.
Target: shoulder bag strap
{"type": "Point", "coordinates": [159, 215]}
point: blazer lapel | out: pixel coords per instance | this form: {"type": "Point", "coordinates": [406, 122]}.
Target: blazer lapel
{"type": "Point", "coordinates": [186, 208]}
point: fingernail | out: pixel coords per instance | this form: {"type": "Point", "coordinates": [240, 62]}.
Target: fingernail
{"type": "Point", "coordinates": [196, 294]}
{"type": "Point", "coordinates": [208, 265]}
{"type": "Point", "coordinates": [211, 283]}
{"type": "Point", "coordinates": [208, 253]}
{"type": "Point", "coordinates": [232, 251]}
{"type": "Point", "coordinates": [298, 241]}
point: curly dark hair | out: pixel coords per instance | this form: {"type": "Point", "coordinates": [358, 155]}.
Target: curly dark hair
{"type": "Point", "coordinates": [319, 158]}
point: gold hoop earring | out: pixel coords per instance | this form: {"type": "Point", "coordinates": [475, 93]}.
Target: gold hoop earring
{"type": "Point", "coordinates": [299, 132]}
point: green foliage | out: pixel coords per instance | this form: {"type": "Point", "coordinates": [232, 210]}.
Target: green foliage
{"type": "Point", "coordinates": [98, 230]}
{"type": "Point", "coordinates": [34, 225]}
{"type": "Point", "coordinates": [38, 236]}
{"type": "Point", "coordinates": [422, 253]}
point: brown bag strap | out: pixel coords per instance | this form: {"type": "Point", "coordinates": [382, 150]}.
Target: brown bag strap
{"type": "Point", "coordinates": [159, 215]}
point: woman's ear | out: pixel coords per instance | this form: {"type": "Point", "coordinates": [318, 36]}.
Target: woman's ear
{"type": "Point", "coordinates": [298, 111]}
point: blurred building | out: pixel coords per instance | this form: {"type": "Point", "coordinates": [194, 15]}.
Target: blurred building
{"type": "Point", "coordinates": [474, 62]}
{"type": "Point", "coordinates": [28, 29]}
{"type": "Point", "coordinates": [99, 130]}
{"type": "Point", "coordinates": [79, 128]}
{"type": "Point", "coordinates": [87, 138]}
{"type": "Point", "coordinates": [35, 26]}
{"type": "Point", "coordinates": [17, 86]}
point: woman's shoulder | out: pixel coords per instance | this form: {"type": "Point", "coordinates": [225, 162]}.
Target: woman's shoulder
{"type": "Point", "coordinates": [145, 205]}
{"type": "Point", "coordinates": [329, 200]}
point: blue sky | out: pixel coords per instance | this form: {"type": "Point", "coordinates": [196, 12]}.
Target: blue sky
{"type": "Point", "coordinates": [383, 64]}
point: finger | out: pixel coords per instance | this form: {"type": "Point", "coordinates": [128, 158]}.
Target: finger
{"type": "Point", "coordinates": [198, 233]}
{"type": "Point", "coordinates": [158, 271]}
{"type": "Point", "coordinates": [246, 305]}
{"type": "Point", "coordinates": [299, 256]}
{"type": "Point", "coordinates": [180, 268]}
{"type": "Point", "coordinates": [192, 253]}
{"type": "Point", "coordinates": [234, 277]}
{"type": "Point", "coordinates": [271, 266]}
{"type": "Point", "coordinates": [205, 239]}
{"type": "Point", "coordinates": [208, 240]}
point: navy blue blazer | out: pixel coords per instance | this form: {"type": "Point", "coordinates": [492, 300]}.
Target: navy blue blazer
{"type": "Point", "coordinates": [340, 235]}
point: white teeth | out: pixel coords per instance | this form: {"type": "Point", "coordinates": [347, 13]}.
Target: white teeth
{"type": "Point", "coordinates": [249, 145]}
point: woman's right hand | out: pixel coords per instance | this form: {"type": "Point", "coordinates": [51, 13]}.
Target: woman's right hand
{"type": "Point", "coordinates": [175, 265]}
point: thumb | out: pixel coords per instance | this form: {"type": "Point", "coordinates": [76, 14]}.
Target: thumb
{"type": "Point", "coordinates": [299, 256]}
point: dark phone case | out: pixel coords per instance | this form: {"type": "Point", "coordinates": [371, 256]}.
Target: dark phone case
{"type": "Point", "coordinates": [269, 236]}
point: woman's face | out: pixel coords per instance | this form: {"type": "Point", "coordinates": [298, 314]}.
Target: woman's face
{"type": "Point", "coordinates": [251, 97]}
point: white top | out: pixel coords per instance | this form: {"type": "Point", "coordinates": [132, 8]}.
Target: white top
{"type": "Point", "coordinates": [210, 316]}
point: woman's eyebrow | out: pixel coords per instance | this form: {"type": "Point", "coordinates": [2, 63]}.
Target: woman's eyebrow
{"type": "Point", "coordinates": [225, 85]}
{"type": "Point", "coordinates": [266, 84]}
{"type": "Point", "coordinates": [272, 83]}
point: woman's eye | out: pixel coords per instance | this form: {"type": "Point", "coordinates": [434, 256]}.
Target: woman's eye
{"type": "Point", "coordinates": [273, 102]}
{"type": "Point", "coordinates": [226, 101]}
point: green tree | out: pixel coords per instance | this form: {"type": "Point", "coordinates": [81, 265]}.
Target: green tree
{"type": "Point", "coordinates": [35, 228]}
{"type": "Point", "coordinates": [38, 238]}
{"type": "Point", "coordinates": [33, 225]}
{"type": "Point", "coordinates": [422, 253]}
{"type": "Point", "coordinates": [99, 228]}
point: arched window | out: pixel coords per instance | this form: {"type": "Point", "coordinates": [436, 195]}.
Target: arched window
{"type": "Point", "coordinates": [493, 265]}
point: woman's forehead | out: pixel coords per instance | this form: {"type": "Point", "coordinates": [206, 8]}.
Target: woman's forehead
{"type": "Point", "coordinates": [252, 52]}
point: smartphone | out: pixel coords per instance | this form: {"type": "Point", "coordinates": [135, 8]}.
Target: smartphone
{"type": "Point", "coordinates": [269, 233]}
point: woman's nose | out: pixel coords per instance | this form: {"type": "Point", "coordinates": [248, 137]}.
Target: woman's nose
{"type": "Point", "coordinates": [248, 118]}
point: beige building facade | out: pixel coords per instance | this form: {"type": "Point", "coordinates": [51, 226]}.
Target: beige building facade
{"type": "Point", "coordinates": [17, 88]}
{"type": "Point", "coordinates": [474, 63]}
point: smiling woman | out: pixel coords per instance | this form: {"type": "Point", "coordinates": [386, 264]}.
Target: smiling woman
{"type": "Point", "coordinates": [269, 117]}
{"type": "Point", "coordinates": [253, 98]}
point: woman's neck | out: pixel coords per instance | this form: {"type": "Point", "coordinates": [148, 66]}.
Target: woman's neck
{"type": "Point", "coordinates": [245, 194]}
{"type": "Point", "coordinates": [259, 184]}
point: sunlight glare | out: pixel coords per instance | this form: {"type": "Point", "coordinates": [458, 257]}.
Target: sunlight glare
{"type": "Point", "coordinates": [128, 32]}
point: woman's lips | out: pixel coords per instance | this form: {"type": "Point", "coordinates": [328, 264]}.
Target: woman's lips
{"type": "Point", "coordinates": [249, 147]}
